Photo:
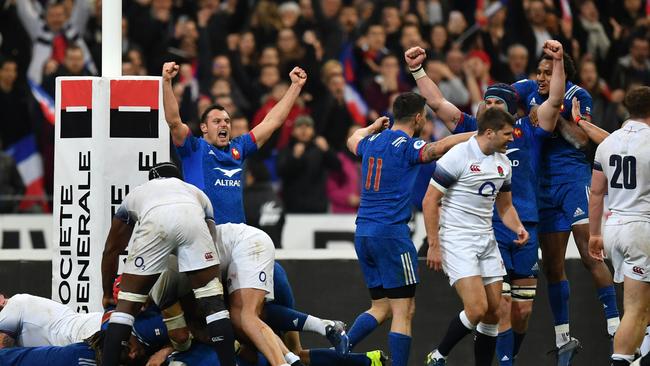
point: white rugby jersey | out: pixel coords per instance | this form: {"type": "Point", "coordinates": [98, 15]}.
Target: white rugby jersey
{"type": "Point", "coordinates": [624, 157]}
{"type": "Point", "coordinates": [159, 192]}
{"type": "Point", "coordinates": [471, 181]}
{"type": "Point", "coordinates": [36, 321]}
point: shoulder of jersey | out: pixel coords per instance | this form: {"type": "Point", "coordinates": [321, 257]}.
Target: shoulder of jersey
{"type": "Point", "coordinates": [573, 91]}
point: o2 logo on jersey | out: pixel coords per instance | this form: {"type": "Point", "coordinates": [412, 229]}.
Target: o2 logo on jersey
{"type": "Point", "coordinates": [139, 263]}
{"type": "Point", "coordinates": [235, 153]}
{"type": "Point", "coordinates": [417, 145]}
{"type": "Point", "coordinates": [487, 189]}
{"type": "Point", "coordinates": [262, 277]}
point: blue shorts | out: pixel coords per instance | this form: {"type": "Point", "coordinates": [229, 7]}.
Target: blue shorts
{"type": "Point", "coordinates": [387, 262]}
{"type": "Point", "coordinates": [282, 293]}
{"type": "Point", "coordinates": [520, 262]}
{"type": "Point", "coordinates": [198, 355]}
{"type": "Point", "coordinates": [563, 205]}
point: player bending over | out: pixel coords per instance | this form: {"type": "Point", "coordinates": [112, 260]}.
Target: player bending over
{"type": "Point", "coordinates": [172, 216]}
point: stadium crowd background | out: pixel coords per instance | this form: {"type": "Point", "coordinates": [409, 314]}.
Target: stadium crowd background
{"type": "Point", "coordinates": [238, 53]}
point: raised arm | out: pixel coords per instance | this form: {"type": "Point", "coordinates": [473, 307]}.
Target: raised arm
{"type": "Point", "coordinates": [595, 133]}
{"type": "Point", "coordinates": [29, 17]}
{"type": "Point", "coordinates": [379, 125]}
{"type": "Point", "coordinates": [549, 111]}
{"type": "Point", "coordinates": [177, 128]}
{"type": "Point", "coordinates": [447, 112]}
{"type": "Point", "coordinates": [596, 206]}
{"type": "Point", "coordinates": [276, 116]}
{"type": "Point", "coordinates": [434, 150]}
{"type": "Point", "coordinates": [571, 132]}
{"type": "Point", "coordinates": [510, 218]}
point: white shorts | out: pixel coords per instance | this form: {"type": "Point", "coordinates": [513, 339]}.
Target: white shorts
{"type": "Point", "coordinates": [466, 255]}
{"type": "Point", "coordinates": [166, 230]}
{"type": "Point", "coordinates": [250, 256]}
{"type": "Point", "coordinates": [628, 245]}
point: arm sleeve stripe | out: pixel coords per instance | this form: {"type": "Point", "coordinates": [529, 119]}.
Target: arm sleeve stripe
{"type": "Point", "coordinates": [506, 188]}
{"type": "Point", "coordinates": [438, 186]}
{"type": "Point", "coordinates": [442, 177]}
{"type": "Point", "coordinates": [598, 166]}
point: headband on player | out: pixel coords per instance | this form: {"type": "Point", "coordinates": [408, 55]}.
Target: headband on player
{"type": "Point", "coordinates": [164, 170]}
{"type": "Point", "coordinates": [504, 92]}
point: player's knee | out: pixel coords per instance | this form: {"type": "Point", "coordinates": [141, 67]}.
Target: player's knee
{"type": "Point", "coordinates": [476, 310]}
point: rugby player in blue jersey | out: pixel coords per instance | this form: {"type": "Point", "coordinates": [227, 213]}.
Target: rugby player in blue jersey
{"type": "Point", "coordinates": [565, 183]}
{"type": "Point", "coordinates": [388, 258]}
{"type": "Point", "coordinates": [214, 162]}
{"type": "Point", "coordinates": [524, 153]}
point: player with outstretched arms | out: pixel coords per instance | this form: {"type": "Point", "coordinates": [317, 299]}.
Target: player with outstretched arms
{"type": "Point", "coordinates": [470, 180]}
{"type": "Point", "coordinates": [622, 172]}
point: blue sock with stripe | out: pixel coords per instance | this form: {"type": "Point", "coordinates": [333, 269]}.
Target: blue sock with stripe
{"type": "Point", "coordinates": [329, 357]}
{"type": "Point", "coordinates": [505, 347]}
{"type": "Point", "coordinates": [400, 347]}
{"type": "Point", "coordinates": [607, 296]}
{"type": "Point", "coordinates": [363, 325]}
{"type": "Point", "coordinates": [283, 318]}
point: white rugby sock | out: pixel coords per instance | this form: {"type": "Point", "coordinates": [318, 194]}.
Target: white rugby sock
{"type": "Point", "coordinates": [562, 336]}
{"type": "Point", "coordinates": [316, 325]}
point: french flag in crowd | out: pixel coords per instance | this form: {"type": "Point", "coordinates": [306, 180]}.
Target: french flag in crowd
{"type": "Point", "coordinates": [28, 159]}
{"type": "Point", "coordinates": [356, 105]}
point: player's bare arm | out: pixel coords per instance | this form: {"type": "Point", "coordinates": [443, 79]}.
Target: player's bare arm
{"type": "Point", "coordinates": [177, 128]}
{"type": "Point", "coordinates": [510, 218]}
{"type": "Point", "coordinates": [596, 207]}
{"type": "Point", "coordinates": [379, 125]}
{"type": "Point", "coordinates": [436, 149]}
{"type": "Point", "coordinates": [431, 212]}
{"type": "Point", "coordinates": [595, 133]}
{"type": "Point", "coordinates": [276, 116]}
{"type": "Point", "coordinates": [549, 111]}
{"type": "Point", "coordinates": [571, 132]}
{"type": "Point", "coordinates": [446, 111]}
{"type": "Point", "coordinates": [116, 242]}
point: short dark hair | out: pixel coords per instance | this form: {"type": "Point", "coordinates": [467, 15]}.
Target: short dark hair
{"type": "Point", "coordinates": [407, 105]}
{"type": "Point", "coordinates": [569, 65]}
{"type": "Point", "coordinates": [5, 60]}
{"type": "Point", "coordinates": [494, 119]}
{"type": "Point", "coordinates": [219, 107]}
{"type": "Point", "coordinates": [637, 102]}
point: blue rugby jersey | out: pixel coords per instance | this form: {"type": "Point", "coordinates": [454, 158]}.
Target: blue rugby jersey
{"type": "Point", "coordinates": [561, 161]}
{"type": "Point", "coordinates": [388, 169]}
{"type": "Point", "coordinates": [525, 155]}
{"type": "Point", "coordinates": [218, 173]}
{"type": "Point", "coordinates": [77, 354]}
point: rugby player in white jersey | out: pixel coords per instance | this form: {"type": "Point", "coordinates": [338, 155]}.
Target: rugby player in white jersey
{"type": "Point", "coordinates": [36, 321]}
{"type": "Point", "coordinates": [468, 180]}
{"type": "Point", "coordinates": [172, 217]}
{"type": "Point", "coordinates": [622, 171]}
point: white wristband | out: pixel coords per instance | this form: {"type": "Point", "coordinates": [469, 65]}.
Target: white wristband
{"type": "Point", "coordinates": [418, 73]}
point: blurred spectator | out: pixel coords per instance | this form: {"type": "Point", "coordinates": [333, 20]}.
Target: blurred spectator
{"type": "Point", "coordinates": [392, 23]}
{"type": "Point", "coordinates": [604, 111]}
{"type": "Point", "coordinates": [344, 186]}
{"type": "Point", "coordinates": [456, 24]}
{"type": "Point", "coordinates": [333, 119]}
{"type": "Point", "coordinates": [221, 69]}
{"type": "Point", "coordinates": [11, 184]}
{"type": "Point", "coordinates": [265, 22]}
{"type": "Point", "coordinates": [238, 125]}
{"type": "Point", "coordinates": [433, 11]}
{"type": "Point", "coordinates": [450, 85]}
{"type": "Point", "coordinates": [590, 32]}
{"type": "Point", "coordinates": [52, 31]}
{"type": "Point", "coordinates": [303, 166]}
{"type": "Point", "coordinates": [72, 65]}
{"type": "Point", "coordinates": [635, 67]}
{"type": "Point", "coordinates": [369, 51]}
{"type": "Point", "coordinates": [384, 85]}
{"type": "Point", "coordinates": [477, 74]}
{"type": "Point", "coordinates": [455, 59]}
{"type": "Point", "coordinates": [411, 37]}
{"type": "Point", "coordinates": [439, 41]}
{"type": "Point", "coordinates": [293, 53]}
{"type": "Point", "coordinates": [517, 65]}
{"type": "Point", "coordinates": [262, 205]}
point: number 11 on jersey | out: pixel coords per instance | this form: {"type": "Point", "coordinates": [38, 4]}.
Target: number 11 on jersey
{"type": "Point", "coordinates": [371, 163]}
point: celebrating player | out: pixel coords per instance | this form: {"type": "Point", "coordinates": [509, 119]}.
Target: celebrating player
{"type": "Point", "coordinates": [564, 194]}
{"type": "Point", "coordinates": [386, 253]}
{"type": "Point", "coordinates": [470, 179]}
{"type": "Point", "coordinates": [214, 163]}
{"type": "Point", "coordinates": [172, 216]}
{"type": "Point", "coordinates": [621, 171]}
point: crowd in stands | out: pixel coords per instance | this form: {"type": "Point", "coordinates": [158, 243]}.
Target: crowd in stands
{"type": "Point", "coordinates": [238, 53]}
